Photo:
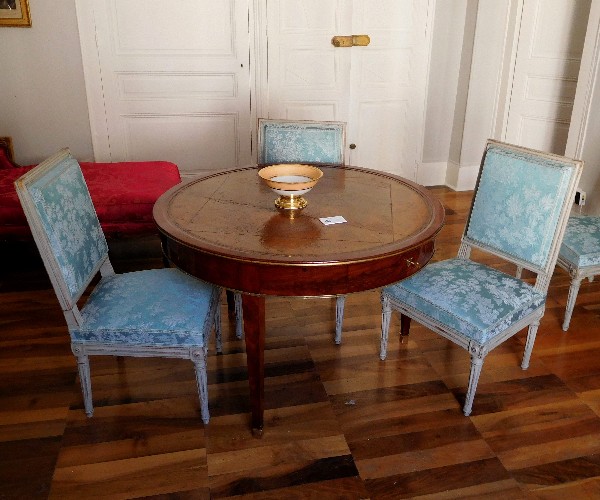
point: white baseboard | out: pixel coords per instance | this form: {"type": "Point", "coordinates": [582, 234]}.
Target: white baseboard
{"type": "Point", "coordinates": [461, 177]}
{"type": "Point", "coordinates": [432, 174]}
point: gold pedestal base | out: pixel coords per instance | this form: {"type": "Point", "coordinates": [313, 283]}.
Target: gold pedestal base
{"type": "Point", "coordinates": [290, 202]}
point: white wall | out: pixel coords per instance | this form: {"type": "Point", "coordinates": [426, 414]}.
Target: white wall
{"type": "Point", "coordinates": [466, 76]}
{"type": "Point", "coordinates": [485, 79]}
{"type": "Point", "coordinates": [43, 104]}
{"type": "Point", "coordinates": [442, 91]}
{"type": "Point", "coordinates": [487, 27]}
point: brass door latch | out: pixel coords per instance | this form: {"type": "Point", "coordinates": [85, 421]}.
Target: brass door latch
{"type": "Point", "coordinates": [351, 41]}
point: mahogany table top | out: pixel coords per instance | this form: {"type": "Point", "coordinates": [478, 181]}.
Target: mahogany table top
{"type": "Point", "coordinates": [225, 228]}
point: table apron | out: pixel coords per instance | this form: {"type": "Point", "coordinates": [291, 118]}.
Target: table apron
{"type": "Point", "coordinates": [297, 280]}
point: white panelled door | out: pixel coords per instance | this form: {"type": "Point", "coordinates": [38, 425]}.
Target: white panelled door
{"type": "Point", "coordinates": [307, 78]}
{"type": "Point", "coordinates": [170, 81]}
{"type": "Point", "coordinates": [379, 90]}
{"type": "Point", "coordinates": [550, 43]}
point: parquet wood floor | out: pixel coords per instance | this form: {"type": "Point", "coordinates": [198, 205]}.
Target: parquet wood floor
{"type": "Point", "coordinates": [339, 422]}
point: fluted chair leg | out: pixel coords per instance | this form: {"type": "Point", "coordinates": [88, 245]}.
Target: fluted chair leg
{"type": "Point", "coordinates": [199, 360]}
{"type": "Point", "coordinates": [239, 316]}
{"type": "Point", "coordinates": [386, 315]}
{"type": "Point", "coordinates": [573, 291]}
{"type": "Point", "coordinates": [476, 365]}
{"type": "Point", "coordinates": [529, 344]}
{"type": "Point", "coordinates": [83, 366]}
{"type": "Point", "coordinates": [339, 317]}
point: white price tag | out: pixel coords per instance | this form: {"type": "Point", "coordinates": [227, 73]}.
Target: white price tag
{"type": "Point", "coordinates": [337, 219]}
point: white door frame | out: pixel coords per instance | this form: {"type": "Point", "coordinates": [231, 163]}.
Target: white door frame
{"type": "Point", "coordinates": [93, 79]}
{"type": "Point", "coordinates": [258, 45]}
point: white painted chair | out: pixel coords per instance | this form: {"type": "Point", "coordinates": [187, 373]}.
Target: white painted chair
{"type": "Point", "coordinates": [580, 256]}
{"type": "Point", "coordinates": [303, 141]}
{"type": "Point", "coordinates": [519, 213]}
{"type": "Point", "coordinates": [153, 313]}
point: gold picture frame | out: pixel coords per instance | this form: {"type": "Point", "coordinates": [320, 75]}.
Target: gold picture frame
{"type": "Point", "coordinates": [15, 13]}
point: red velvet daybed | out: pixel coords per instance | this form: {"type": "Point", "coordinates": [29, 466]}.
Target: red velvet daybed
{"type": "Point", "coordinates": [123, 195]}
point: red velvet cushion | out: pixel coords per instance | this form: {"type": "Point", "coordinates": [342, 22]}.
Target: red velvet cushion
{"type": "Point", "coordinates": [123, 195]}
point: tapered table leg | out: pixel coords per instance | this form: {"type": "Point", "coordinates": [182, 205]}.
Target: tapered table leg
{"type": "Point", "coordinates": [230, 301]}
{"type": "Point", "coordinates": [254, 329]}
{"type": "Point", "coordinates": [404, 327]}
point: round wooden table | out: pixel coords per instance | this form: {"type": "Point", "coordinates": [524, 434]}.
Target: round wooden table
{"type": "Point", "coordinates": [225, 229]}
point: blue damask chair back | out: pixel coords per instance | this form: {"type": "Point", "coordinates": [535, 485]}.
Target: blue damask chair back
{"type": "Point", "coordinates": [64, 224]}
{"type": "Point", "coordinates": [284, 141]}
{"type": "Point", "coordinates": [519, 206]}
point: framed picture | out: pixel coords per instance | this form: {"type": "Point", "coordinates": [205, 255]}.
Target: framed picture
{"type": "Point", "coordinates": [15, 13]}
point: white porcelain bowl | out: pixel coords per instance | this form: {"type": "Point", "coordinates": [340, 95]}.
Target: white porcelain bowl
{"type": "Point", "coordinates": [290, 179]}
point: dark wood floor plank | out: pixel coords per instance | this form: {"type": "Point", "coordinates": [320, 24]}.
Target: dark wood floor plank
{"type": "Point", "coordinates": [347, 488]}
{"type": "Point", "coordinates": [438, 480]}
{"type": "Point", "coordinates": [585, 489]}
{"type": "Point", "coordinates": [284, 475]}
{"type": "Point", "coordinates": [27, 467]}
{"type": "Point", "coordinates": [286, 424]}
{"type": "Point", "coordinates": [424, 460]}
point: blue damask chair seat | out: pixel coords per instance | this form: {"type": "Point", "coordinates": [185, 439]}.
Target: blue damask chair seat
{"type": "Point", "coordinates": [519, 213]}
{"type": "Point", "coordinates": [579, 256]}
{"type": "Point", "coordinates": [581, 245]}
{"type": "Point", "coordinates": [153, 307]}
{"type": "Point", "coordinates": [475, 300]}
{"type": "Point", "coordinates": [157, 312]}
